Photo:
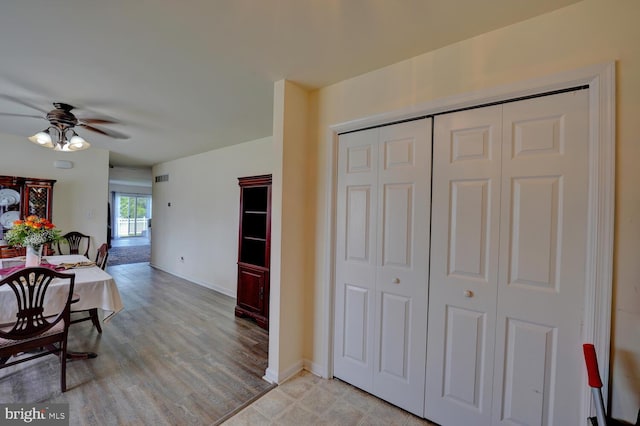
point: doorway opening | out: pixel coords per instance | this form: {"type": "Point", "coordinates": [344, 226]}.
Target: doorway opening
{"type": "Point", "coordinates": [131, 228]}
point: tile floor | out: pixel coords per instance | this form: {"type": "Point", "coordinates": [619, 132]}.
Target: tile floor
{"type": "Point", "coordinates": [310, 400]}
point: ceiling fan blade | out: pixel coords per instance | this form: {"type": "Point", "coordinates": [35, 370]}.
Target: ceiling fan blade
{"type": "Point", "coordinates": [25, 103]}
{"type": "Point", "coordinates": [97, 121]}
{"type": "Point", "coordinates": [110, 133]}
{"type": "Point", "coordinates": [9, 114]}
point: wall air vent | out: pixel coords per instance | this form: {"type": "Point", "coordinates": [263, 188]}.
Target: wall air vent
{"type": "Point", "coordinates": [162, 178]}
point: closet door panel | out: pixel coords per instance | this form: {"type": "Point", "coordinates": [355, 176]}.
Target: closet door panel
{"type": "Point", "coordinates": [402, 273]}
{"type": "Point", "coordinates": [404, 180]}
{"type": "Point", "coordinates": [464, 256]}
{"type": "Point", "coordinates": [356, 327]}
{"type": "Point", "coordinates": [539, 369]}
{"type": "Point", "coordinates": [464, 332]}
{"type": "Point", "coordinates": [356, 257]}
{"type": "Point", "coordinates": [534, 254]}
{"type": "Point", "coordinates": [398, 221]}
{"type": "Point", "coordinates": [468, 229]}
{"type": "Point", "coordinates": [528, 365]}
{"type": "Point", "coordinates": [358, 223]}
{"type": "Point", "coordinates": [394, 335]}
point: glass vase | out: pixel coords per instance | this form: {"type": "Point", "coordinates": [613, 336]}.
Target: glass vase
{"type": "Point", "coordinates": [34, 256]}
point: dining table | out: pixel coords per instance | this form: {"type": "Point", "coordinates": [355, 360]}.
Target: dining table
{"type": "Point", "coordinates": [93, 288]}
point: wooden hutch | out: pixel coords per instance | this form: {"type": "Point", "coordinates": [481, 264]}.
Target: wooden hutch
{"type": "Point", "coordinates": [35, 197]}
{"type": "Point", "coordinates": [254, 249]}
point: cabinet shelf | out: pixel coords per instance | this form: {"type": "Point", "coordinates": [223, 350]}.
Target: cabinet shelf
{"type": "Point", "coordinates": [255, 212]}
{"type": "Point", "coordinates": [252, 266]}
{"type": "Point", "coordinates": [255, 239]}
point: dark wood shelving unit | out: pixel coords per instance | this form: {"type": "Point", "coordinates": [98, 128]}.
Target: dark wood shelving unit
{"type": "Point", "coordinates": [254, 249]}
{"type": "Point", "coordinates": [36, 197]}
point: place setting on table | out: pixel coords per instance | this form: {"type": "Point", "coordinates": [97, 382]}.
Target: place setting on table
{"type": "Point", "coordinates": [18, 263]}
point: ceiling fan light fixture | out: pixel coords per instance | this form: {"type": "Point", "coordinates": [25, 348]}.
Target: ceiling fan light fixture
{"type": "Point", "coordinates": [42, 138]}
{"type": "Point", "coordinates": [62, 144]}
{"type": "Point", "coordinates": [77, 143]}
{"type": "Point", "coordinates": [61, 147]}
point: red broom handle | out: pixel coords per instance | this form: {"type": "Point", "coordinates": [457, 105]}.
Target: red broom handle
{"type": "Point", "coordinates": [592, 365]}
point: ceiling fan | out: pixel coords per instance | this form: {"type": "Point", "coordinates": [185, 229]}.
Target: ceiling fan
{"type": "Point", "coordinates": [61, 134]}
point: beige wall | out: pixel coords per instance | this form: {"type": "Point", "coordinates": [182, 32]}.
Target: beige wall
{"type": "Point", "coordinates": [589, 32]}
{"type": "Point", "coordinates": [289, 240]}
{"type": "Point", "coordinates": [80, 193]}
{"type": "Point", "coordinates": [201, 225]}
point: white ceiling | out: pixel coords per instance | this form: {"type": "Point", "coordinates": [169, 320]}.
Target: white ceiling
{"type": "Point", "coordinates": [189, 76]}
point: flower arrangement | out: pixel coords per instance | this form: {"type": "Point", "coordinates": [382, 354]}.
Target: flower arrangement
{"type": "Point", "coordinates": [33, 232]}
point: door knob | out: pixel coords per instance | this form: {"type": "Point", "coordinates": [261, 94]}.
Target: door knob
{"type": "Point", "coordinates": [396, 280]}
{"type": "Point", "coordinates": [468, 293]}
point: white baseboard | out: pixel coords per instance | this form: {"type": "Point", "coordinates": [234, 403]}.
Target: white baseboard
{"type": "Point", "coordinates": [273, 376]}
{"type": "Point", "coordinates": [270, 376]}
{"type": "Point", "coordinates": [291, 371]}
{"type": "Point", "coordinates": [315, 368]}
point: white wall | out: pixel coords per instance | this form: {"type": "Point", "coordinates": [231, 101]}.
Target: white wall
{"type": "Point", "coordinates": [201, 225]}
{"type": "Point", "coordinates": [131, 189]}
{"type": "Point", "coordinates": [130, 180]}
{"type": "Point", "coordinates": [80, 193]}
{"type": "Point", "coordinates": [586, 33]}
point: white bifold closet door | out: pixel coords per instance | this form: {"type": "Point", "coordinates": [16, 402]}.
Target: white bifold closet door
{"type": "Point", "coordinates": [506, 298]}
{"type": "Point", "coordinates": [464, 266]}
{"type": "Point", "coordinates": [382, 252]}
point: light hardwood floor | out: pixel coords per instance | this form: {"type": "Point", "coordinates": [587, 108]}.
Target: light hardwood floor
{"type": "Point", "coordinates": [175, 355]}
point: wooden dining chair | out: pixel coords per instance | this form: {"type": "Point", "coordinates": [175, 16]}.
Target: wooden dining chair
{"type": "Point", "coordinates": [74, 240]}
{"type": "Point", "coordinates": [102, 255]}
{"type": "Point", "coordinates": [101, 262]}
{"type": "Point", "coordinates": [36, 333]}
{"type": "Point", "coordinates": [47, 250]}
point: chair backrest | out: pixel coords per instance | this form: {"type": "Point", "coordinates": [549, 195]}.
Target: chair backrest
{"type": "Point", "coordinates": [74, 240]}
{"type": "Point", "coordinates": [102, 256]}
{"type": "Point", "coordinates": [47, 250]}
{"type": "Point", "coordinates": [30, 285]}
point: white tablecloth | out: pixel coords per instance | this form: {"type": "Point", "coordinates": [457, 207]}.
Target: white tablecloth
{"type": "Point", "coordinates": [95, 287]}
